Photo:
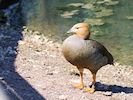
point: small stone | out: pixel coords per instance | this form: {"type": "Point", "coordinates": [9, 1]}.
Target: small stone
{"type": "Point", "coordinates": [50, 73]}
{"type": "Point", "coordinates": [46, 40]}
{"type": "Point", "coordinates": [50, 42]}
{"type": "Point", "coordinates": [122, 93]}
{"type": "Point", "coordinates": [52, 56]}
{"type": "Point", "coordinates": [55, 72]}
{"type": "Point", "coordinates": [24, 27]}
{"type": "Point", "coordinates": [1, 78]}
{"type": "Point", "coordinates": [26, 30]}
{"type": "Point", "coordinates": [12, 52]}
{"type": "Point", "coordinates": [30, 31]}
{"type": "Point", "coordinates": [116, 64]}
{"type": "Point", "coordinates": [21, 42]}
{"type": "Point", "coordinates": [108, 93]}
{"type": "Point", "coordinates": [44, 88]}
{"type": "Point", "coordinates": [36, 32]}
{"type": "Point", "coordinates": [62, 97]}
{"type": "Point", "coordinates": [23, 32]}
{"type": "Point", "coordinates": [74, 81]}
{"type": "Point", "coordinates": [27, 77]}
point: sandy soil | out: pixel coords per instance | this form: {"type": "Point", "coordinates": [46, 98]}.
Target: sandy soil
{"type": "Point", "coordinates": [35, 69]}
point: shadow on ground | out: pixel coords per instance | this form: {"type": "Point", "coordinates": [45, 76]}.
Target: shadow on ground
{"type": "Point", "coordinates": [113, 88]}
{"type": "Point", "coordinates": [14, 85]}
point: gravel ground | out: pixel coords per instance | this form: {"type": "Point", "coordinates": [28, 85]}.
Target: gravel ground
{"type": "Point", "coordinates": [33, 68]}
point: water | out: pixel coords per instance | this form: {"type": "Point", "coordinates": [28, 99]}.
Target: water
{"type": "Point", "coordinates": [114, 27]}
{"type": "Point", "coordinates": [117, 34]}
{"type": "Point", "coordinates": [45, 16]}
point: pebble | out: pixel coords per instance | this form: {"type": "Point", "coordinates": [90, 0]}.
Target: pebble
{"type": "Point", "coordinates": [122, 93]}
{"type": "Point", "coordinates": [21, 42]}
{"type": "Point", "coordinates": [108, 93]}
{"type": "Point", "coordinates": [36, 32]}
{"type": "Point", "coordinates": [30, 31]}
{"type": "Point", "coordinates": [53, 56]}
{"type": "Point", "coordinates": [1, 78]}
{"type": "Point", "coordinates": [24, 27]}
{"type": "Point", "coordinates": [62, 97]}
{"type": "Point", "coordinates": [74, 81]}
{"type": "Point", "coordinates": [50, 73]}
{"type": "Point", "coordinates": [55, 72]}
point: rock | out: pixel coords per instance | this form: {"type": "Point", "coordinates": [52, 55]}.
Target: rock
{"type": "Point", "coordinates": [55, 72]}
{"type": "Point", "coordinates": [50, 73]}
{"type": "Point", "coordinates": [30, 31]}
{"type": "Point", "coordinates": [62, 97]}
{"type": "Point", "coordinates": [21, 42]}
{"type": "Point", "coordinates": [24, 27]}
{"type": "Point", "coordinates": [52, 56]}
{"type": "Point", "coordinates": [74, 81]}
{"type": "Point", "coordinates": [108, 93]}
{"type": "Point", "coordinates": [36, 38]}
{"type": "Point", "coordinates": [122, 93]}
{"type": "Point", "coordinates": [1, 78]}
{"type": "Point", "coordinates": [36, 32]}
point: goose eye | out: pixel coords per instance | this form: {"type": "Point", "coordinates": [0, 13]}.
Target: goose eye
{"type": "Point", "coordinates": [77, 27]}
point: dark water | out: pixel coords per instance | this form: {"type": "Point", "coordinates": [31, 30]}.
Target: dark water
{"type": "Point", "coordinates": [113, 27]}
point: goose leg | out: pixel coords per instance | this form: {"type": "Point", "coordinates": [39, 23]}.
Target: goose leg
{"type": "Point", "coordinates": [81, 84]}
{"type": "Point", "coordinates": [91, 89]}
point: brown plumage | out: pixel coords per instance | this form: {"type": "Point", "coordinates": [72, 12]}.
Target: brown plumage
{"type": "Point", "coordinates": [83, 52]}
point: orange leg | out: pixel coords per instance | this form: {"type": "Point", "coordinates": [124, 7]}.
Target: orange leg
{"type": "Point", "coordinates": [81, 84]}
{"type": "Point", "coordinates": [91, 89]}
